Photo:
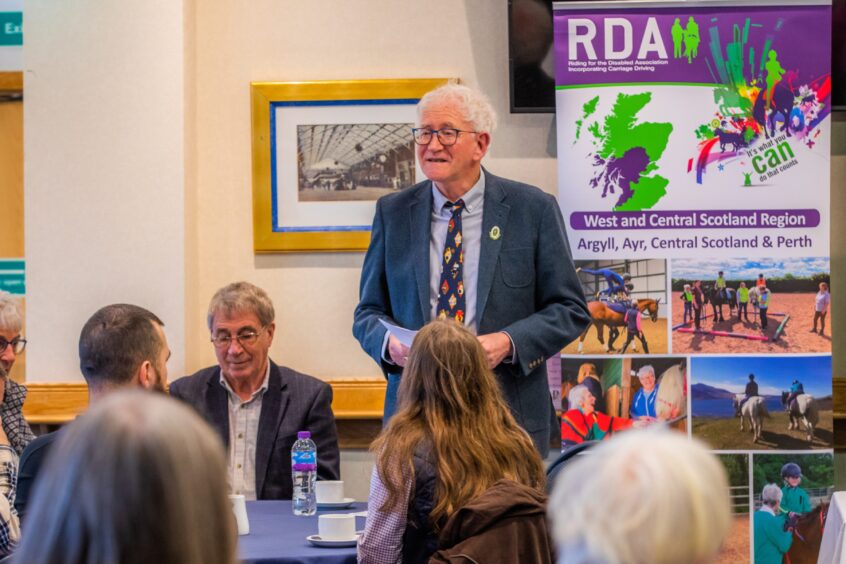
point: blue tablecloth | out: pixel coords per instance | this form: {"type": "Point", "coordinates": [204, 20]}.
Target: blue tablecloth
{"type": "Point", "coordinates": [279, 536]}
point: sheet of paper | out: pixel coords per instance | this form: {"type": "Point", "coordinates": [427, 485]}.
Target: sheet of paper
{"type": "Point", "coordinates": [405, 336]}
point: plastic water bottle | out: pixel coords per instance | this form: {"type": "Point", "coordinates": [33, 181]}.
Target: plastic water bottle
{"type": "Point", "coordinates": [304, 473]}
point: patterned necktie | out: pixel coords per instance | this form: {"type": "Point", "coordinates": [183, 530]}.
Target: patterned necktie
{"type": "Point", "coordinates": [451, 289]}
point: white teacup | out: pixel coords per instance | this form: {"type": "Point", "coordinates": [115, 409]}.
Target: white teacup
{"type": "Point", "coordinates": [239, 507]}
{"type": "Point", "coordinates": [330, 491]}
{"type": "Point", "coordinates": [336, 526]}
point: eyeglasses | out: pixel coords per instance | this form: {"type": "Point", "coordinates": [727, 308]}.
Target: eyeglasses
{"type": "Point", "coordinates": [18, 345]}
{"type": "Point", "coordinates": [245, 339]}
{"type": "Point", "coordinates": [446, 135]}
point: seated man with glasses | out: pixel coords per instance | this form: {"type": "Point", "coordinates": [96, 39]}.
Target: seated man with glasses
{"type": "Point", "coordinates": [465, 244]}
{"type": "Point", "coordinates": [256, 406]}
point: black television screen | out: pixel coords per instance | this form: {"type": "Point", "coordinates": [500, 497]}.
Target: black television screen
{"type": "Point", "coordinates": [532, 81]}
{"type": "Point", "coordinates": [838, 55]}
{"type": "Point", "coordinates": [530, 56]}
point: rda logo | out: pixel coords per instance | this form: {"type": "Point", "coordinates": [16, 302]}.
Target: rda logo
{"type": "Point", "coordinates": [687, 37]}
{"type": "Point", "coordinates": [618, 39]}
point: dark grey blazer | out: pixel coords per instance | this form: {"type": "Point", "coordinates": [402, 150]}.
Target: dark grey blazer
{"type": "Point", "coordinates": [293, 402]}
{"type": "Point", "coordinates": [527, 286]}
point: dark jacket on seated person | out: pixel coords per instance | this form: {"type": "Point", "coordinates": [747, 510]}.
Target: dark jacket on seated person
{"type": "Point", "coordinates": [507, 523]}
{"type": "Point", "coordinates": [420, 540]}
{"type": "Point", "coordinates": [293, 402]}
{"type": "Point", "coordinates": [31, 462]}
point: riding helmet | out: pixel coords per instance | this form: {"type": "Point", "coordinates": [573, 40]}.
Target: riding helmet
{"type": "Point", "coordinates": [791, 470]}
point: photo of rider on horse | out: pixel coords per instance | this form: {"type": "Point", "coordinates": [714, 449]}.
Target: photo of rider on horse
{"type": "Point", "coordinates": [792, 493]}
{"type": "Point", "coordinates": [627, 297]}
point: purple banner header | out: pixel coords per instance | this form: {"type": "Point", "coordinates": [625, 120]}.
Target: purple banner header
{"type": "Point", "coordinates": [687, 44]}
{"type": "Point", "coordinates": [695, 219]}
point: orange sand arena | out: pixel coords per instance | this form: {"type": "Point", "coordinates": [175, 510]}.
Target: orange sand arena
{"type": "Point", "coordinates": [655, 333]}
{"type": "Point", "coordinates": [795, 338]}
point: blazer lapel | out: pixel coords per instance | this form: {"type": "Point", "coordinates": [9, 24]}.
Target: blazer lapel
{"type": "Point", "coordinates": [273, 406]}
{"type": "Point", "coordinates": [494, 229]}
{"type": "Point", "coordinates": [218, 403]}
{"type": "Point", "coordinates": [421, 229]}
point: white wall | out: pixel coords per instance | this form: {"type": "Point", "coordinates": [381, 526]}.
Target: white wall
{"type": "Point", "coordinates": [268, 40]}
{"type": "Point", "coordinates": [138, 109]}
{"type": "Point", "coordinates": [104, 171]}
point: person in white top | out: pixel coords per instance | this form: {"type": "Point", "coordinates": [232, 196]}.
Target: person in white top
{"type": "Point", "coordinates": [821, 303]}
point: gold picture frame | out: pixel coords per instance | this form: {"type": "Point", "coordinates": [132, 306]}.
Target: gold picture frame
{"type": "Point", "coordinates": [275, 138]}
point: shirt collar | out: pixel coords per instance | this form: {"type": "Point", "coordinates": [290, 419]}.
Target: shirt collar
{"type": "Point", "coordinates": [472, 198]}
{"type": "Point", "coordinates": [768, 509]}
{"type": "Point", "coordinates": [260, 391]}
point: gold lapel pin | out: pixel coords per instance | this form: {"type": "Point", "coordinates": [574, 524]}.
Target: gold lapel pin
{"type": "Point", "coordinates": [495, 233]}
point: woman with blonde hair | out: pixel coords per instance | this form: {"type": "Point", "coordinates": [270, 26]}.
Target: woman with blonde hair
{"type": "Point", "coordinates": [452, 439]}
{"type": "Point", "coordinates": [139, 478]}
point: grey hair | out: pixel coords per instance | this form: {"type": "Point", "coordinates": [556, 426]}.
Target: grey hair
{"type": "Point", "coordinates": [476, 107]}
{"type": "Point", "coordinates": [606, 503]}
{"type": "Point", "coordinates": [139, 478]}
{"type": "Point", "coordinates": [577, 396]}
{"type": "Point", "coordinates": [771, 495]}
{"type": "Point", "coordinates": [11, 318]}
{"type": "Point", "coordinates": [241, 297]}
{"type": "Point", "coordinates": [645, 369]}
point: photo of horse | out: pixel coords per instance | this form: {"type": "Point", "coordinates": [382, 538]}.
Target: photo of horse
{"type": "Point", "coordinates": [762, 402]}
{"type": "Point", "coordinates": [794, 294]}
{"type": "Point", "coordinates": [806, 482]}
{"type": "Point", "coordinates": [647, 391]}
{"type": "Point", "coordinates": [622, 296]}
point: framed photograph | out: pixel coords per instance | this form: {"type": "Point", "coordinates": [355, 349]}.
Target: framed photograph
{"type": "Point", "coordinates": [323, 153]}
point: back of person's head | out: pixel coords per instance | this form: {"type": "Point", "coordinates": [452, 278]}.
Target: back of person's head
{"type": "Point", "coordinates": [140, 478]}
{"type": "Point", "coordinates": [11, 319]}
{"type": "Point", "coordinates": [646, 496]}
{"type": "Point", "coordinates": [450, 406]}
{"type": "Point", "coordinates": [771, 495]}
{"type": "Point", "coordinates": [116, 341]}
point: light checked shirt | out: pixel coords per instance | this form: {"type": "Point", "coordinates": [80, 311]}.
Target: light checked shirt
{"type": "Point", "coordinates": [10, 528]}
{"type": "Point", "coordinates": [243, 436]}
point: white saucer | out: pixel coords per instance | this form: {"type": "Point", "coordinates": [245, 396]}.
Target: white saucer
{"type": "Point", "coordinates": [343, 543]}
{"type": "Point", "coordinates": [348, 501]}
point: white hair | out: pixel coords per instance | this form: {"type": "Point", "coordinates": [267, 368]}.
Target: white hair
{"type": "Point", "coordinates": [577, 396]}
{"type": "Point", "coordinates": [11, 318]}
{"type": "Point", "coordinates": [476, 107]}
{"type": "Point", "coordinates": [771, 495]}
{"type": "Point", "coordinates": [644, 496]}
{"type": "Point", "coordinates": [644, 370]}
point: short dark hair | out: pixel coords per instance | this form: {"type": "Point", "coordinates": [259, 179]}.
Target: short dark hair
{"type": "Point", "coordinates": [115, 341]}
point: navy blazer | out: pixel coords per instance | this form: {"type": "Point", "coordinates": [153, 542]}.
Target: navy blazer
{"type": "Point", "coordinates": [293, 402]}
{"type": "Point", "coordinates": [527, 286]}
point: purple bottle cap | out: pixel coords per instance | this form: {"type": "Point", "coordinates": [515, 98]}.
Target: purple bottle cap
{"type": "Point", "coordinates": [304, 435]}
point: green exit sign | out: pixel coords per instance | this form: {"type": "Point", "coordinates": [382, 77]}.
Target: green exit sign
{"type": "Point", "coordinates": [11, 28]}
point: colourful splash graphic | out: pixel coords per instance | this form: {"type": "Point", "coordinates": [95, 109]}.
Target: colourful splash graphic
{"type": "Point", "coordinates": [763, 111]}
{"type": "Point", "coordinates": [626, 152]}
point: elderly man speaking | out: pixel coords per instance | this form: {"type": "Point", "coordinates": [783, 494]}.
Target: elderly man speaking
{"type": "Point", "coordinates": [489, 252]}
